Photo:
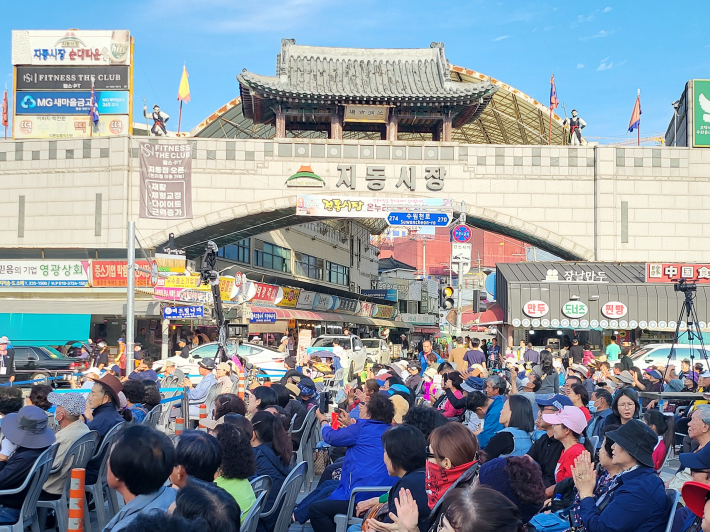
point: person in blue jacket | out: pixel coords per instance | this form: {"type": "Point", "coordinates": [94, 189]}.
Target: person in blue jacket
{"type": "Point", "coordinates": [488, 409]}
{"type": "Point", "coordinates": [272, 455]}
{"type": "Point", "coordinates": [364, 463]}
{"type": "Point", "coordinates": [424, 355]}
{"type": "Point", "coordinates": [637, 499]}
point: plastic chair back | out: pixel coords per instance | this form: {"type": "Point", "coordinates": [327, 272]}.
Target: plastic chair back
{"type": "Point", "coordinates": [261, 484]}
{"type": "Point", "coordinates": [342, 522]}
{"type": "Point", "coordinates": [673, 496]}
{"type": "Point", "coordinates": [251, 520]}
{"type": "Point", "coordinates": [212, 394]}
{"type": "Point", "coordinates": [78, 455]}
{"type": "Point", "coordinates": [105, 447]}
{"type": "Point", "coordinates": [37, 477]}
{"type": "Point", "coordinates": [152, 417]}
{"type": "Point", "coordinates": [305, 428]}
{"type": "Point", "coordinates": [286, 499]}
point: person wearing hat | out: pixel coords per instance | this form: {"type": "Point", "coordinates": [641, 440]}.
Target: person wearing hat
{"type": "Point", "coordinates": [173, 377]}
{"type": "Point", "coordinates": [696, 496]}
{"type": "Point", "coordinates": [637, 502]}
{"type": "Point", "coordinates": [546, 450]}
{"type": "Point", "coordinates": [576, 352]}
{"type": "Point", "coordinates": [91, 375]}
{"type": "Point", "coordinates": [222, 374]}
{"type": "Point", "coordinates": [184, 351]}
{"type": "Point", "coordinates": [29, 431]}
{"type": "Point", "coordinates": [7, 360]}
{"type": "Point", "coordinates": [198, 393]}
{"type": "Point", "coordinates": [308, 394]}
{"type": "Point", "coordinates": [102, 355]}
{"type": "Point", "coordinates": [698, 463]}
{"type": "Point", "coordinates": [568, 427]}
{"type": "Point", "coordinates": [70, 407]}
{"type": "Point", "coordinates": [414, 379]}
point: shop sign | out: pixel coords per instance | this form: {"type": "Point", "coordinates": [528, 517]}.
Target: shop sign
{"type": "Point", "coordinates": [575, 276]}
{"type": "Point", "coordinates": [425, 319]}
{"type": "Point", "coordinates": [574, 309]}
{"type": "Point", "coordinates": [72, 47]}
{"type": "Point", "coordinates": [265, 292]}
{"type": "Point", "coordinates": [672, 272]}
{"type": "Point", "coordinates": [290, 297]}
{"type": "Point", "coordinates": [184, 295]}
{"type": "Point", "coordinates": [306, 300]}
{"type": "Point", "coordinates": [614, 309]}
{"type": "Point", "coordinates": [70, 103]}
{"type": "Point", "coordinates": [184, 313]}
{"type": "Point", "coordinates": [401, 286]}
{"type": "Point", "coordinates": [304, 342]}
{"type": "Point", "coordinates": [365, 309]}
{"type": "Point", "coordinates": [389, 294]}
{"type": "Point", "coordinates": [56, 273]}
{"type": "Point", "coordinates": [366, 113]}
{"type": "Point", "coordinates": [165, 181]}
{"type": "Point", "coordinates": [343, 206]}
{"type": "Point", "coordinates": [536, 309]}
{"type": "Point", "coordinates": [322, 302]}
{"type": "Point", "coordinates": [382, 311]}
{"type": "Point", "coordinates": [701, 112]}
{"type": "Point", "coordinates": [48, 78]}
{"type": "Point", "coordinates": [175, 283]}
{"type": "Point", "coordinates": [68, 127]}
{"type": "Point", "coordinates": [348, 306]}
{"type": "Point", "coordinates": [263, 317]}
{"type": "Point", "coordinates": [172, 259]}
{"type": "Point", "coordinates": [115, 273]}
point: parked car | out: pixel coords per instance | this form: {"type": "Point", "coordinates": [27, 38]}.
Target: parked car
{"type": "Point", "coordinates": [189, 365]}
{"type": "Point", "coordinates": [657, 355]}
{"type": "Point", "coordinates": [377, 350]}
{"type": "Point", "coordinates": [354, 354]}
{"type": "Point", "coordinates": [267, 360]}
{"type": "Point", "coordinates": [35, 363]}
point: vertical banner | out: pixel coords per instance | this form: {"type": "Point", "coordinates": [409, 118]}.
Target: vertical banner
{"type": "Point", "coordinates": [304, 342]}
{"type": "Point", "coordinates": [166, 181]}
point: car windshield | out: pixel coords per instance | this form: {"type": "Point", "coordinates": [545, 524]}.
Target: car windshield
{"type": "Point", "coordinates": [640, 353]}
{"type": "Point", "coordinates": [52, 353]}
{"type": "Point", "coordinates": [371, 342]}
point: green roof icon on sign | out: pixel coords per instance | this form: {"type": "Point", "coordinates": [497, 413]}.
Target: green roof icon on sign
{"type": "Point", "coordinates": [303, 176]}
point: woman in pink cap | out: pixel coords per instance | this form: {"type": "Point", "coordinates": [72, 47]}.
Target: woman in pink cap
{"type": "Point", "coordinates": [569, 426]}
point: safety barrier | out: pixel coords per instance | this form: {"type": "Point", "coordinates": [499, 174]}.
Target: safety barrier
{"type": "Point", "coordinates": [203, 417]}
{"type": "Point", "coordinates": [179, 425]}
{"type": "Point", "coordinates": [76, 500]}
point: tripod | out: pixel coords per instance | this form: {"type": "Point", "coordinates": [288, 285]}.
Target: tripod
{"type": "Point", "coordinates": [691, 319]}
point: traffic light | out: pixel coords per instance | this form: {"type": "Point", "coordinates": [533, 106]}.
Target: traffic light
{"type": "Point", "coordinates": [446, 298]}
{"type": "Point", "coordinates": [480, 298]}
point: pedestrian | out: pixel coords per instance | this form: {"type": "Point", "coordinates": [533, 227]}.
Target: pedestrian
{"type": "Point", "coordinates": [457, 354]}
{"type": "Point", "coordinates": [612, 350]}
{"type": "Point", "coordinates": [184, 351]}
{"type": "Point", "coordinates": [576, 352]}
{"type": "Point", "coordinates": [7, 360]}
{"type": "Point", "coordinates": [405, 346]}
{"type": "Point", "coordinates": [141, 460]}
{"type": "Point", "coordinates": [426, 355]}
{"type": "Point", "coordinates": [531, 356]}
{"type": "Point", "coordinates": [120, 358]}
{"type": "Point", "coordinates": [550, 383]}
{"type": "Point", "coordinates": [473, 356]}
{"type": "Point", "coordinates": [588, 357]}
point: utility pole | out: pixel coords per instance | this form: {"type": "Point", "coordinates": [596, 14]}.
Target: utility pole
{"type": "Point", "coordinates": [424, 257]}
{"type": "Point", "coordinates": [130, 295]}
{"type": "Point", "coordinates": [459, 283]}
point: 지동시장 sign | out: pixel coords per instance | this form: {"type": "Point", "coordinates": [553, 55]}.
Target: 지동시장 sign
{"type": "Point", "coordinates": [71, 47]}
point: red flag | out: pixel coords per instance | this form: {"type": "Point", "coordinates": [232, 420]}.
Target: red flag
{"type": "Point", "coordinates": [554, 102]}
{"type": "Point", "coordinates": [4, 109]}
{"type": "Point", "coordinates": [635, 121]}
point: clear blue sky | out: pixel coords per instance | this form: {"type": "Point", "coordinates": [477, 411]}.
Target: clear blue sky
{"type": "Point", "coordinates": [600, 52]}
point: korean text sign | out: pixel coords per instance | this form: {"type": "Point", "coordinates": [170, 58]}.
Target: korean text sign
{"type": "Point", "coordinates": [166, 181]}
{"type": "Point", "coordinates": [50, 273]}
{"type": "Point", "coordinates": [70, 103]}
{"type": "Point", "coordinates": [115, 273]}
{"type": "Point", "coordinates": [671, 272]}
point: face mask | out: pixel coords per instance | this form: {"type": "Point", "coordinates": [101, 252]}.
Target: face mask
{"type": "Point", "coordinates": [591, 407]}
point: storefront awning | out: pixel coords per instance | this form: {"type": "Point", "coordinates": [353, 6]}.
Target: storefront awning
{"type": "Point", "coordinates": [117, 307]}
{"type": "Point", "coordinates": [493, 315]}
{"type": "Point", "coordinates": [614, 296]}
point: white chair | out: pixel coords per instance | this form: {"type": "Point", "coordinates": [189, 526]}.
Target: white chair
{"type": "Point", "coordinates": [77, 456]}
{"type": "Point", "coordinates": [251, 519]}
{"type": "Point", "coordinates": [343, 521]}
{"type": "Point", "coordinates": [152, 417]}
{"type": "Point", "coordinates": [33, 484]}
{"type": "Point", "coordinates": [286, 499]}
{"type": "Point", "coordinates": [261, 484]}
{"type": "Point", "coordinates": [97, 489]}
{"type": "Point", "coordinates": [673, 496]}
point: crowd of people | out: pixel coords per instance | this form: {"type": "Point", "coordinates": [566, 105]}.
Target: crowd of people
{"type": "Point", "coordinates": [475, 442]}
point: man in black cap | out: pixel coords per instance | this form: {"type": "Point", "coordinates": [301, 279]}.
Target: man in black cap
{"type": "Point", "coordinates": [28, 430]}
{"type": "Point", "coordinates": [638, 500]}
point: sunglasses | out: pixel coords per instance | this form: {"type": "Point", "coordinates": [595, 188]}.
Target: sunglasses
{"type": "Point", "coordinates": [429, 454]}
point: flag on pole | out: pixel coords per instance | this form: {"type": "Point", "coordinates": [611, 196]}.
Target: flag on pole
{"type": "Point", "coordinates": [635, 121]}
{"type": "Point", "coordinates": [94, 109]}
{"type": "Point", "coordinates": [554, 102]}
{"type": "Point", "coordinates": [184, 90]}
{"type": "Point", "coordinates": [4, 109]}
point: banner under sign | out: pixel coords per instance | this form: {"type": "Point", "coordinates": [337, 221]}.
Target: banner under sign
{"type": "Point", "coordinates": [68, 127]}
{"type": "Point", "coordinates": [47, 78]}
{"type": "Point", "coordinates": [70, 103]}
{"type": "Point", "coordinates": [115, 273]}
{"type": "Point", "coordinates": [166, 181]}
{"type": "Point", "coordinates": [183, 313]}
{"type": "Point", "coordinates": [263, 317]}
{"type": "Point", "coordinates": [344, 206]}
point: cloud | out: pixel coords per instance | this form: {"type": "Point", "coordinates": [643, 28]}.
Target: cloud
{"type": "Point", "coordinates": [603, 65]}
{"type": "Point", "coordinates": [599, 35]}
{"type": "Point", "coordinates": [580, 65]}
{"type": "Point", "coordinates": [501, 38]}
{"type": "Point", "coordinates": [607, 9]}
{"type": "Point", "coordinates": [585, 18]}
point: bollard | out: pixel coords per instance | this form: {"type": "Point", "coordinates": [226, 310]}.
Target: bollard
{"type": "Point", "coordinates": [203, 416]}
{"type": "Point", "coordinates": [76, 500]}
{"type": "Point", "coordinates": [179, 425]}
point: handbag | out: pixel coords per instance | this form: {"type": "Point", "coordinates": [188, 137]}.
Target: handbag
{"type": "Point", "coordinates": [377, 512]}
{"type": "Point", "coordinates": [321, 460]}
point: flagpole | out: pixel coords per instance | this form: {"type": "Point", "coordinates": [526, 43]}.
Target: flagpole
{"type": "Point", "coordinates": [638, 129]}
{"type": "Point", "coordinates": [549, 140]}
{"type": "Point", "coordinates": [179, 118]}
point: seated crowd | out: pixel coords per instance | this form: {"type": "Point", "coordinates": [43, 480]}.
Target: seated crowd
{"type": "Point", "coordinates": [454, 445]}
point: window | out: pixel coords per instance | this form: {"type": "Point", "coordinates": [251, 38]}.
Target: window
{"type": "Point", "coordinates": [272, 257]}
{"type": "Point", "coordinates": [238, 251]}
{"type": "Point", "coordinates": [308, 266]}
{"type": "Point", "coordinates": [337, 274]}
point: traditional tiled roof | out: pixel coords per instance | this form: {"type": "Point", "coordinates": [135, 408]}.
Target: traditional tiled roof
{"type": "Point", "coordinates": [363, 74]}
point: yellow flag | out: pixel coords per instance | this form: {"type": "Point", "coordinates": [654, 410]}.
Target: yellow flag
{"type": "Point", "coordinates": [184, 90]}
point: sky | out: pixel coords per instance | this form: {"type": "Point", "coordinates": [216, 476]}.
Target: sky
{"type": "Point", "coordinates": [600, 52]}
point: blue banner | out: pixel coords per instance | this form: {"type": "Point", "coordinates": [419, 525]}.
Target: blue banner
{"type": "Point", "coordinates": [263, 317]}
{"type": "Point", "coordinates": [70, 103]}
{"type": "Point", "coordinates": [183, 313]}
{"type": "Point", "coordinates": [389, 295]}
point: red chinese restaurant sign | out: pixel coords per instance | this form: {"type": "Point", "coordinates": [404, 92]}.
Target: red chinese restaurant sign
{"type": "Point", "coordinates": [672, 272]}
{"type": "Point", "coordinates": [114, 273]}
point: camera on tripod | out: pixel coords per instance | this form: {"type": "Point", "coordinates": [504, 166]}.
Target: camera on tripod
{"type": "Point", "coordinates": [685, 286]}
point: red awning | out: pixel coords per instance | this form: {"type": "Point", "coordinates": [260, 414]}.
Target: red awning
{"type": "Point", "coordinates": [493, 315]}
